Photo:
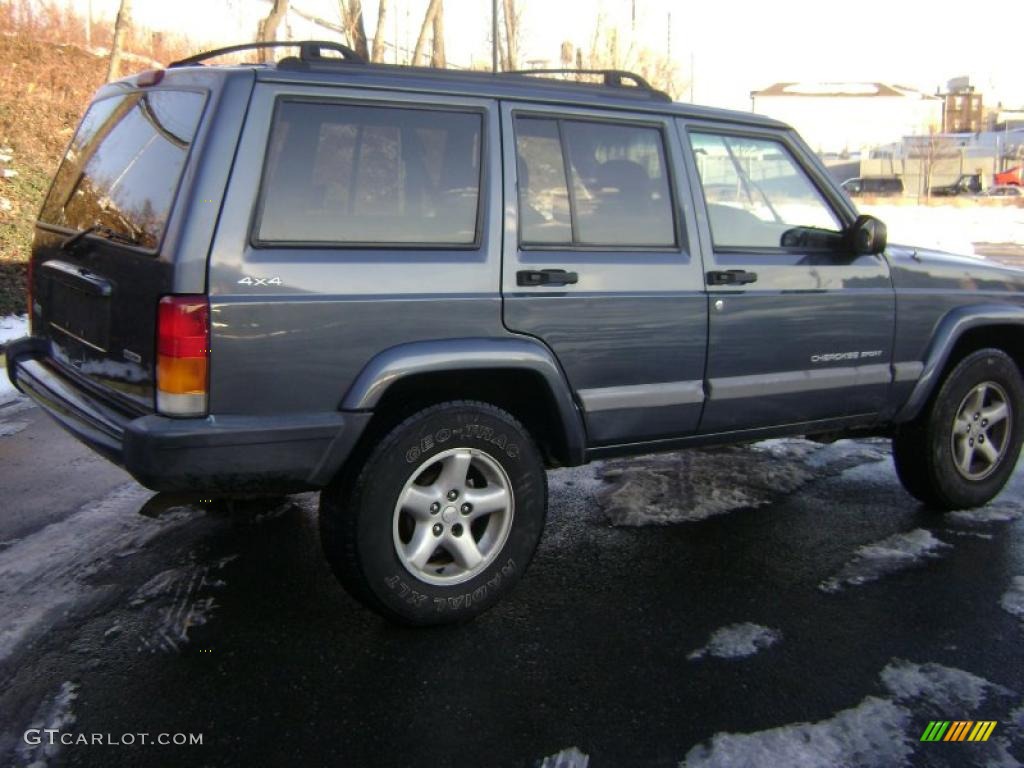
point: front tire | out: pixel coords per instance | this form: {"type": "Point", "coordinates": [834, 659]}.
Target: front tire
{"type": "Point", "coordinates": [961, 451]}
{"type": "Point", "coordinates": [443, 517]}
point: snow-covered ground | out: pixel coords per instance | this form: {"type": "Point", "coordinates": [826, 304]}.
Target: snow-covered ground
{"type": "Point", "coordinates": [11, 327]}
{"type": "Point", "coordinates": [952, 227]}
{"type": "Point", "coordinates": [878, 731]}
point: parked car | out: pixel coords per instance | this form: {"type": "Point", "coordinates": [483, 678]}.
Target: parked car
{"type": "Point", "coordinates": [1013, 177]}
{"type": "Point", "coordinates": [1004, 190]}
{"type": "Point", "coordinates": [966, 184]}
{"type": "Point", "coordinates": [415, 290]}
{"type": "Point", "coordinates": [879, 186]}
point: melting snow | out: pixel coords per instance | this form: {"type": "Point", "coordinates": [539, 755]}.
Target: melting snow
{"type": "Point", "coordinates": [1013, 600]}
{"type": "Point", "coordinates": [178, 600]}
{"type": "Point", "coordinates": [53, 715]}
{"type": "Point", "coordinates": [8, 428]}
{"type": "Point", "coordinates": [738, 640]}
{"type": "Point", "coordinates": [878, 731]}
{"type": "Point", "coordinates": [45, 573]}
{"type": "Point", "coordinates": [890, 555]}
{"type": "Point", "coordinates": [993, 513]}
{"type": "Point", "coordinates": [697, 484]}
{"type": "Point", "coordinates": [13, 327]}
{"type": "Point", "coordinates": [567, 758]}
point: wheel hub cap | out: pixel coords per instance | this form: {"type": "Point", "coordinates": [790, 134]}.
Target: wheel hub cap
{"type": "Point", "coordinates": [453, 516]}
{"type": "Point", "coordinates": [981, 431]}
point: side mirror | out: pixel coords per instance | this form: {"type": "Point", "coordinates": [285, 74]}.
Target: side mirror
{"type": "Point", "coordinates": [868, 235]}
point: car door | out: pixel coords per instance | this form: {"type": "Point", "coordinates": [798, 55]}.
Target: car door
{"type": "Point", "coordinates": [800, 327]}
{"type": "Point", "coordinates": [598, 264]}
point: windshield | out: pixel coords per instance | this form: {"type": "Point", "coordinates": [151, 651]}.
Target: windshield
{"type": "Point", "coordinates": [122, 168]}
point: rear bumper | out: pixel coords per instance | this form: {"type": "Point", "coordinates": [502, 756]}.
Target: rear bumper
{"type": "Point", "coordinates": [216, 454]}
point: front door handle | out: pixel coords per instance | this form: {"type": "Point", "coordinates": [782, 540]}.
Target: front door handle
{"type": "Point", "coordinates": [546, 277]}
{"type": "Point", "coordinates": [732, 277]}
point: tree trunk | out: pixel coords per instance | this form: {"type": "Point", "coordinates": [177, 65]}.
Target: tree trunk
{"type": "Point", "coordinates": [428, 24]}
{"type": "Point", "coordinates": [437, 59]}
{"type": "Point", "coordinates": [124, 20]}
{"type": "Point", "coordinates": [378, 35]}
{"type": "Point", "coordinates": [268, 27]}
{"type": "Point", "coordinates": [352, 17]}
{"type": "Point", "coordinates": [511, 35]}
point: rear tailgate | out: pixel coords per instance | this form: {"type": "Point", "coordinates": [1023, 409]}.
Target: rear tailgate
{"type": "Point", "coordinates": [97, 274]}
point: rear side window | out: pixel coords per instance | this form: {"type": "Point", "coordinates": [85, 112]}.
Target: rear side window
{"type": "Point", "coordinates": [586, 183]}
{"type": "Point", "coordinates": [352, 174]}
{"type": "Point", "coordinates": [123, 166]}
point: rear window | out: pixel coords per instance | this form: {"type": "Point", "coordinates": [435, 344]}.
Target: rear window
{"type": "Point", "coordinates": [123, 166]}
{"type": "Point", "coordinates": [352, 174]}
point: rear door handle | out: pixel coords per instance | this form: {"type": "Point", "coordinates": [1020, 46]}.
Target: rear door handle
{"type": "Point", "coordinates": [732, 277]}
{"type": "Point", "coordinates": [530, 277]}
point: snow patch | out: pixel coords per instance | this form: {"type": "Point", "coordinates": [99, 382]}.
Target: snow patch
{"type": "Point", "coordinates": [945, 688]}
{"type": "Point", "coordinates": [871, 734]}
{"type": "Point", "coordinates": [176, 600]}
{"type": "Point", "coordinates": [46, 573]}
{"type": "Point", "coordinates": [993, 513]}
{"type": "Point", "coordinates": [567, 758]}
{"type": "Point", "coordinates": [697, 484]}
{"type": "Point", "coordinates": [1013, 599]}
{"type": "Point", "coordinates": [8, 428]}
{"type": "Point", "coordinates": [890, 555]}
{"type": "Point", "coordinates": [13, 327]}
{"type": "Point", "coordinates": [55, 714]}
{"type": "Point", "coordinates": [737, 641]}
{"type": "Point", "coordinates": [949, 227]}
{"type": "Point", "coordinates": [878, 731]}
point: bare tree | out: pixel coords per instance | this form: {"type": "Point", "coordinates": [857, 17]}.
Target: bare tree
{"type": "Point", "coordinates": [268, 27]}
{"type": "Point", "coordinates": [930, 150]}
{"type": "Point", "coordinates": [437, 57]}
{"type": "Point", "coordinates": [654, 66]}
{"type": "Point", "coordinates": [378, 34]}
{"type": "Point", "coordinates": [425, 29]}
{"type": "Point", "coordinates": [511, 52]}
{"type": "Point", "coordinates": [352, 19]}
{"type": "Point", "coordinates": [124, 20]}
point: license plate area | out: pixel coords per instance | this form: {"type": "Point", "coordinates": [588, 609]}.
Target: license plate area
{"type": "Point", "coordinates": [79, 313]}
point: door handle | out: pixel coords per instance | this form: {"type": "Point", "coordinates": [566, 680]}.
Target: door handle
{"type": "Point", "coordinates": [546, 277]}
{"type": "Point", "coordinates": [732, 277]}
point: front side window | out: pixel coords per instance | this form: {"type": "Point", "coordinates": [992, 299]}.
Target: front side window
{"type": "Point", "coordinates": [757, 195]}
{"type": "Point", "coordinates": [122, 168]}
{"type": "Point", "coordinates": [586, 183]}
{"type": "Point", "coordinates": [352, 174]}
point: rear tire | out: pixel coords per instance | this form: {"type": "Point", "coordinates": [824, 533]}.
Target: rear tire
{"type": "Point", "coordinates": [962, 449]}
{"type": "Point", "coordinates": [442, 518]}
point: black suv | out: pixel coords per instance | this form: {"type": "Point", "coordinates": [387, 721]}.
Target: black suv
{"type": "Point", "coordinates": [417, 289]}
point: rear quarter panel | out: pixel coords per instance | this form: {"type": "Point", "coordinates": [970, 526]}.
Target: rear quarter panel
{"type": "Point", "coordinates": [298, 346]}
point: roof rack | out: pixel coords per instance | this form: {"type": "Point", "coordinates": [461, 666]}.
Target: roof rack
{"type": "Point", "coordinates": [612, 77]}
{"type": "Point", "coordinates": [309, 51]}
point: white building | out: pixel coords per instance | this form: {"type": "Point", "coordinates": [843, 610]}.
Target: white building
{"type": "Point", "coordinates": [849, 117]}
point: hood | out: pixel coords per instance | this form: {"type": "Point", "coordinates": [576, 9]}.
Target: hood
{"type": "Point", "coordinates": [926, 268]}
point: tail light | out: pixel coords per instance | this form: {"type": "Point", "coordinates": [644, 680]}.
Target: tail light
{"type": "Point", "coordinates": [183, 355]}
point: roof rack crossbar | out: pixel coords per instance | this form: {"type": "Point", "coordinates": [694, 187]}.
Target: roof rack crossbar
{"type": "Point", "coordinates": [309, 51]}
{"type": "Point", "coordinates": [612, 77]}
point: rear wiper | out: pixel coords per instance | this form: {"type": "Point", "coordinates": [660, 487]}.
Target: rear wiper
{"type": "Point", "coordinates": [102, 231]}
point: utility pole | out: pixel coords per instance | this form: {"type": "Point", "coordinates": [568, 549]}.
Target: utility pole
{"type": "Point", "coordinates": [494, 35]}
{"type": "Point", "coordinates": [88, 26]}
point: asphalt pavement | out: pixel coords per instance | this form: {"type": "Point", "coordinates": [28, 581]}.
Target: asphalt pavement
{"type": "Point", "coordinates": [801, 609]}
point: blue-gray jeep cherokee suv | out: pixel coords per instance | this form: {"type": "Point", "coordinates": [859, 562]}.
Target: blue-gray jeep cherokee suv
{"type": "Point", "coordinates": [416, 290]}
